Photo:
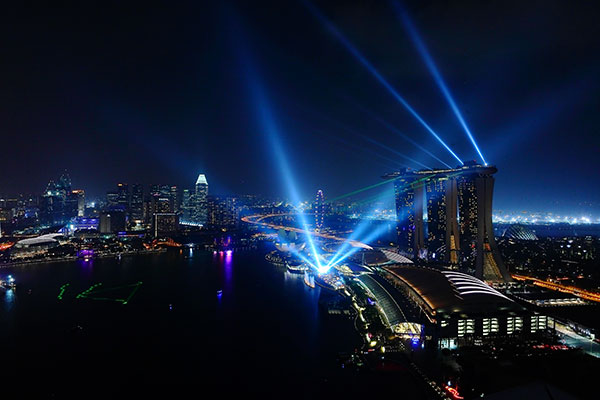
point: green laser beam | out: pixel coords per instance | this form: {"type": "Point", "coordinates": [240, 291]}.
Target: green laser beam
{"type": "Point", "coordinates": [90, 293]}
{"type": "Point", "coordinates": [62, 289]}
{"type": "Point", "coordinates": [412, 185]}
{"type": "Point", "coordinates": [362, 189]}
{"type": "Point", "coordinates": [133, 292]}
{"type": "Point", "coordinates": [111, 289]}
{"type": "Point", "coordinates": [88, 290]}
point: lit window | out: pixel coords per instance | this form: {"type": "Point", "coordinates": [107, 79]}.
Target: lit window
{"type": "Point", "coordinates": [461, 327]}
{"type": "Point", "coordinates": [486, 326]}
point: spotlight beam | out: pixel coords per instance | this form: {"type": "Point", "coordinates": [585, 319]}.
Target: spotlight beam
{"type": "Point", "coordinates": [346, 244]}
{"type": "Point", "coordinates": [363, 149]}
{"type": "Point", "coordinates": [372, 236]}
{"type": "Point", "coordinates": [428, 60]}
{"type": "Point", "coordinates": [367, 64]}
{"type": "Point", "coordinates": [375, 142]}
{"type": "Point", "coordinates": [402, 135]}
{"type": "Point", "coordinates": [267, 123]}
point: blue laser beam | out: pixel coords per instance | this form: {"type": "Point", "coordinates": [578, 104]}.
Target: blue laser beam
{"type": "Point", "coordinates": [358, 231]}
{"type": "Point", "coordinates": [267, 123]}
{"type": "Point", "coordinates": [367, 64]}
{"type": "Point", "coordinates": [391, 128]}
{"type": "Point", "coordinates": [375, 142]}
{"type": "Point", "coordinates": [361, 148]}
{"type": "Point", "coordinates": [428, 60]}
{"type": "Point", "coordinates": [374, 234]}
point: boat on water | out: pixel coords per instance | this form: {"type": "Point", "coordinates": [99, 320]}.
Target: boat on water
{"type": "Point", "coordinates": [309, 279]}
{"type": "Point", "coordinates": [296, 268]}
{"type": "Point", "coordinates": [8, 283]}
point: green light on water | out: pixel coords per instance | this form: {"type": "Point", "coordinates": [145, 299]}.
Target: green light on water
{"type": "Point", "coordinates": [91, 293]}
{"type": "Point", "coordinates": [62, 289]}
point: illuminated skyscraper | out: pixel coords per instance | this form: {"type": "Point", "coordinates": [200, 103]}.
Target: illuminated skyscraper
{"type": "Point", "coordinates": [200, 212]}
{"type": "Point", "coordinates": [77, 197]}
{"type": "Point", "coordinates": [123, 196]}
{"type": "Point", "coordinates": [186, 206]}
{"type": "Point", "coordinates": [436, 216]}
{"type": "Point", "coordinates": [319, 209]}
{"type": "Point", "coordinates": [58, 203]}
{"type": "Point", "coordinates": [480, 255]}
{"type": "Point", "coordinates": [408, 192]}
{"type": "Point", "coordinates": [442, 227]}
{"type": "Point", "coordinates": [459, 209]}
{"type": "Point", "coordinates": [137, 202]}
{"type": "Point", "coordinates": [174, 198]}
{"type": "Point", "coordinates": [222, 211]}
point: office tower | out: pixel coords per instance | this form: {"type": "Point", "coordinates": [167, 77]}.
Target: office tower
{"type": "Point", "coordinates": [137, 202]}
{"type": "Point", "coordinates": [123, 199]}
{"type": "Point", "coordinates": [186, 206]}
{"type": "Point", "coordinates": [174, 199]}
{"type": "Point", "coordinates": [319, 209]}
{"type": "Point", "coordinates": [222, 212]}
{"type": "Point", "coordinates": [78, 198]}
{"type": "Point", "coordinates": [165, 224]}
{"type": "Point", "coordinates": [112, 199]}
{"type": "Point", "coordinates": [57, 205]}
{"type": "Point", "coordinates": [200, 200]}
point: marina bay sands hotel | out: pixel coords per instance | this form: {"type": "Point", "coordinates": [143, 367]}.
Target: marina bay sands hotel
{"type": "Point", "coordinates": [459, 229]}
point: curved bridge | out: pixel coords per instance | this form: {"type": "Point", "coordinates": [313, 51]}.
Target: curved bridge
{"type": "Point", "coordinates": [259, 220]}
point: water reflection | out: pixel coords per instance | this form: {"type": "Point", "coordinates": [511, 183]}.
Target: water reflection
{"type": "Point", "coordinates": [9, 299]}
{"type": "Point", "coordinates": [228, 270]}
{"type": "Point", "coordinates": [86, 266]}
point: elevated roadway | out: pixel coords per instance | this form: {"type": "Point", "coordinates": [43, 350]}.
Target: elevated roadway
{"type": "Point", "coordinates": [260, 220]}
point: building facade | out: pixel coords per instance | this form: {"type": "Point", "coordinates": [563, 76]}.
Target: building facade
{"type": "Point", "coordinates": [459, 218]}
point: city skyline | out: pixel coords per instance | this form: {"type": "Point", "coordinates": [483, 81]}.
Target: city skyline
{"type": "Point", "coordinates": [350, 129]}
{"type": "Point", "coordinates": [302, 199]}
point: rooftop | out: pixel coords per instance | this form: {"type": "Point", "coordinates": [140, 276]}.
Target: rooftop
{"type": "Point", "coordinates": [451, 291]}
{"type": "Point", "coordinates": [201, 180]}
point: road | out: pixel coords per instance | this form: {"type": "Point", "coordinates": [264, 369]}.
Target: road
{"type": "Point", "coordinates": [573, 339]}
{"type": "Point", "coordinates": [259, 220]}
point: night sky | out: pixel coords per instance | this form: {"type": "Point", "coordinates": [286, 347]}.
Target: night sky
{"type": "Point", "coordinates": [156, 93]}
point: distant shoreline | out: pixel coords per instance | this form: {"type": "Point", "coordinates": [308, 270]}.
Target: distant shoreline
{"type": "Point", "coordinates": [75, 258]}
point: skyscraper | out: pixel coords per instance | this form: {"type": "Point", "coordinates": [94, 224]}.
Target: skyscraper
{"type": "Point", "coordinates": [78, 198]}
{"type": "Point", "coordinates": [442, 227]}
{"type": "Point", "coordinates": [456, 198]}
{"type": "Point", "coordinates": [200, 212]}
{"type": "Point", "coordinates": [123, 199]}
{"type": "Point", "coordinates": [174, 198]}
{"type": "Point", "coordinates": [137, 202]}
{"type": "Point", "coordinates": [436, 216]}
{"type": "Point", "coordinates": [475, 187]}
{"type": "Point", "coordinates": [408, 192]}
{"type": "Point", "coordinates": [58, 203]}
{"type": "Point", "coordinates": [319, 211]}
{"type": "Point", "coordinates": [186, 206]}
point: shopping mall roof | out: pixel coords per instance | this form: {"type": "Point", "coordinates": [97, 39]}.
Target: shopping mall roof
{"type": "Point", "coordinates": [451, 291]}
{"type": "Point", "coordinates": [43, 239]}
